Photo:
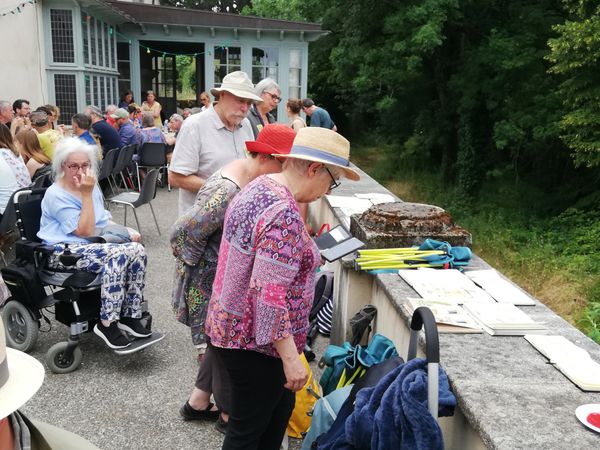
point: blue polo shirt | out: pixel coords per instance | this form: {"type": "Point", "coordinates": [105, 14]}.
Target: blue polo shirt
{"type": "Point", "coordinates": [87, 138]}
{"type": "Point", "coordinates": [320, 118]}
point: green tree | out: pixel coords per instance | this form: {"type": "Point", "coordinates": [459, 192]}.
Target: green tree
{"type": "Point", "coordinates": [575, 55]}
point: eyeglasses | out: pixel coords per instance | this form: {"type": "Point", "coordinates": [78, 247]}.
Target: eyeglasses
{"type": "Point", "coordinates": [334, 183]}
{"type": "Point", "coordinates": [76, 167]}
{"type": "Point", "coordinates": [275, 97]}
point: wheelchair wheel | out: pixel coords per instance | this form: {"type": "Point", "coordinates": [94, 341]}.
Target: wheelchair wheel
{"type": "Point", "coordinates": [21, 328]}
{"type": "Point", "coordinates": [56, 361]}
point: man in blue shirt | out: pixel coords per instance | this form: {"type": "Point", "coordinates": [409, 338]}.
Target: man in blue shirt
{"type": "Point", "coordinates": [109, 137]}
{"type": "Point", "coordinates": [319, 117]}
{"type": "Point", "coordinates": [81, 128]}
{"type": "Point", "coordinates": [127, 131]}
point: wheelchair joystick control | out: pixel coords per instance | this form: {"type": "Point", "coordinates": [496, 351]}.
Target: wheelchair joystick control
{"type": "Point", "coordinates": [68, 258]}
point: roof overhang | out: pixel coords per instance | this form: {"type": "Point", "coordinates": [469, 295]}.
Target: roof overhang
{"type": "Point", "coordinates": [144, 16]}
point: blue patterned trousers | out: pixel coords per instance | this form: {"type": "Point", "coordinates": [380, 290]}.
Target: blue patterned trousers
{"type": "Point", "coordinates": [123, 271]}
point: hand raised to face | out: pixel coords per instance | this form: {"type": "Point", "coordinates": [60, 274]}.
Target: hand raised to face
{"type": "Point", "coordinates": [85, 182]}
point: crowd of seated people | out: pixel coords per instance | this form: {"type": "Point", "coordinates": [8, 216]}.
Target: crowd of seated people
{"type": "Point", "coordinates": [29, 135]}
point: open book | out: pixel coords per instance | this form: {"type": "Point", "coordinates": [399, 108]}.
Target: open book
{"type": "Point", "coordinates": [574, 362]}
{"type": "Point", "coordinates": [503, 319]}
{"type": "Point", "coordinates": [448, 285]}
{"type": "Point", "coordinates": [500, 288]}
{"type": "Point", "coordinates": [337, 243]}
{"type": "Point", "coordinates": [449, 317]}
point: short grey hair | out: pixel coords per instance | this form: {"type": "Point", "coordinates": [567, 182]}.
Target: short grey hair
{"type": "Point", "coordinates": [93, 109]}
{"type": "Point", "coordinates": [147, 120]}
{"type": "Point", "coordinates": [176, 117]}
{"type": "Point", "coordinates": [265, 85]}
{"type": "Point", "coordinates": [111, 108]}
{"type": "Point", "coordinates": [4, 105]}
{"type": "Point", "coordinates": [68, 146]}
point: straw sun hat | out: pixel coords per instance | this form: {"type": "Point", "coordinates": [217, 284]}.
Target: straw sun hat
{"type": "Point", "coordinates": [238, 84]}
{"type": "Point", "coordinates": [20, 377]}
{"type": "Point", "coordinates": [324, 146]}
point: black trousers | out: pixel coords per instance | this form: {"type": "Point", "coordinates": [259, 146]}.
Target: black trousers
{"type": "Point", "coordinates": [212, 377]}
{"type": "Point", "coordinates": [260, 406]}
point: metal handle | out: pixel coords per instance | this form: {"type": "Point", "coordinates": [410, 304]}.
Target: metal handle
{"type": "Point", "coordinates": [424, 317]}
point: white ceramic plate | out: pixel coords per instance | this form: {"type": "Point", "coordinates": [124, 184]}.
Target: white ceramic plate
{"type": "Point", "coordinates": [584, 411]}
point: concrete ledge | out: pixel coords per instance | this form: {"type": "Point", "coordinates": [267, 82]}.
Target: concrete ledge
{"type": "Point", "coordinates": [509, 396]}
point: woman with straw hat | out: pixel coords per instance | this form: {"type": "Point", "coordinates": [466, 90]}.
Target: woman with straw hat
{"type": "Point", "coordinates": [262, 294]}
{"type": "Point", "coordinates": [195, 240]}
{"type": "Point", "coordinates": [20, 377]}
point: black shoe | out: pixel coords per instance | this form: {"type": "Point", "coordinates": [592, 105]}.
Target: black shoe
{"type": "Point", "coordinates": [221, 425]}
{"type": "Point", "coordinates": [112, 335]}
{"type": "Point", "coordinates": [189, 413]}
{"type": "Point", "coordinates": [134, 327]}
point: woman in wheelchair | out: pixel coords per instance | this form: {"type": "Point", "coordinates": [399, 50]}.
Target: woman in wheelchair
{"type": "Point", "coordinates": [73, 210]}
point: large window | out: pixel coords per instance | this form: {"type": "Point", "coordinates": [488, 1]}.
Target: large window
{"type": "Point", "coordinates": [295, 76]}
{"type": "Point", "coordinates": [101, 90]}
{"type": "Point", "coordinates": [227, 60]}
{"type": "Point", "coordinates": [163, 81]}
{"type": "Point", "coordinates": [99, 43]}
{"type": "Point", "coordinates": [65, 96]}
{"type": "Point", "coordinates": [265, 63]}
{"type": "Point", "coordinates": [124, 66]}
{"type": "Point", "coordinates": [61, 30]}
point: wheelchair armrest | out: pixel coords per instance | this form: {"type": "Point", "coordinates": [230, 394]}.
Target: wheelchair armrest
{"type": "Point", "coordinates": [96, 239]}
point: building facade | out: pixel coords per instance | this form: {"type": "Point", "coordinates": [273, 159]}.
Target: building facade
{"type": "Point", "coordinates": [78, 52]}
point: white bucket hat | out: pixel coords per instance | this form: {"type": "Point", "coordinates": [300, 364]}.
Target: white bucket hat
{"type": "Point", "coordinates": [325, 146]}
{"type": "Point", "coordinates": [238, 84]}
{"type": "Point", "coordinates": [21, 376]}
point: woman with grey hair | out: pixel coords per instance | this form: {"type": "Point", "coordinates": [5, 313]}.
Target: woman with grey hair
{"type": "Point", "coordinates": [260, 114]}
{"type": "Point", "coordinates": [149, 132]}
{"type": "Point", "coordinates": [72, 211]}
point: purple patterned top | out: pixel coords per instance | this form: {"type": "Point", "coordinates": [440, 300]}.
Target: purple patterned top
{"type": "Point", "coordinates": [264, 286]}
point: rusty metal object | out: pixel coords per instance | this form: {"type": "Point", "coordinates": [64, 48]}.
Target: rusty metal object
{"type": "Point", "coordinates": [403, 224]}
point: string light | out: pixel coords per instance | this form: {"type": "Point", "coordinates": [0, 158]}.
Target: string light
{"type": "Point", "coordinates": [19, 8]}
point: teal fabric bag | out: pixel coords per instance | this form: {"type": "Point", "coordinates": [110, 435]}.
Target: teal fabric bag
{"type": "Point", "coordinates": [346, 364]}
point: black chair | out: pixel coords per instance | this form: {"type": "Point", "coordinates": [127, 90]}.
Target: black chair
{"type": "Point", "coordinates": [124, 158]}
{"type": "Point", "coordinates": [151, 155]}
{"type": "Point", "coordinates": [107, 168]}
{"type": "Point", "coordinates": [135, 199]}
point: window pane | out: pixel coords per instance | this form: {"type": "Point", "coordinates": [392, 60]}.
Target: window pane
{"type": "Point", "coordinates": [61, 29]}
{"type": "Point", "coordinates": [92, 28]}
{"type": "Point", "coordinates": [65, 96]}
{"type": "Point", "coordinates": [296, 58]}
{"type": "Point", "coordinates": [86, 42]}
{"type": "Point", "coordinates": [88, 90]}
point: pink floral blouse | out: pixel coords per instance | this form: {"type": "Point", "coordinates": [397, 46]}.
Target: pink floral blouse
{"type": "Point", "coordinates": [264, 285]}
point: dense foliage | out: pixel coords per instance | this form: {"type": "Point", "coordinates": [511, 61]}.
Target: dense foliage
{"type": "Point", "coordinates": [498, 96]}
{"type": "Point", "coordinates": [463, 87]}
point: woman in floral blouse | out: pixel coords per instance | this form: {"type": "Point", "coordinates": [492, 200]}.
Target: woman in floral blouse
{"type": "Point", "coordinates": [264, 285]}
{"type": "Point", "coordinates": [195, 241]}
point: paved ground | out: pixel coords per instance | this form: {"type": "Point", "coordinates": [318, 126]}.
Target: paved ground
{"type": "Point", "coordinates": [131, 402]}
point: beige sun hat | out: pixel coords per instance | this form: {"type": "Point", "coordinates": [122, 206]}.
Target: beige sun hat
{"type": "Point", "coordinates": [238, 84]}
{"type": "Point", "coordinates": [325, 146]}
{"type": "Point", "coordinates": [21, 376]}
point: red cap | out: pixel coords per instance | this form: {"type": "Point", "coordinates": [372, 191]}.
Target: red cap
{"type": "Point", "coordinates": [273, 139]}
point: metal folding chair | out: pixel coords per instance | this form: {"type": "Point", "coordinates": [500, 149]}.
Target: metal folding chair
{"type": "Point", "coordinates": [135, 199]}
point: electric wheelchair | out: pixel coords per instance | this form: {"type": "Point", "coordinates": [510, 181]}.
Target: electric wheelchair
{"type": "Point", "coordinates": [34, 288]}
